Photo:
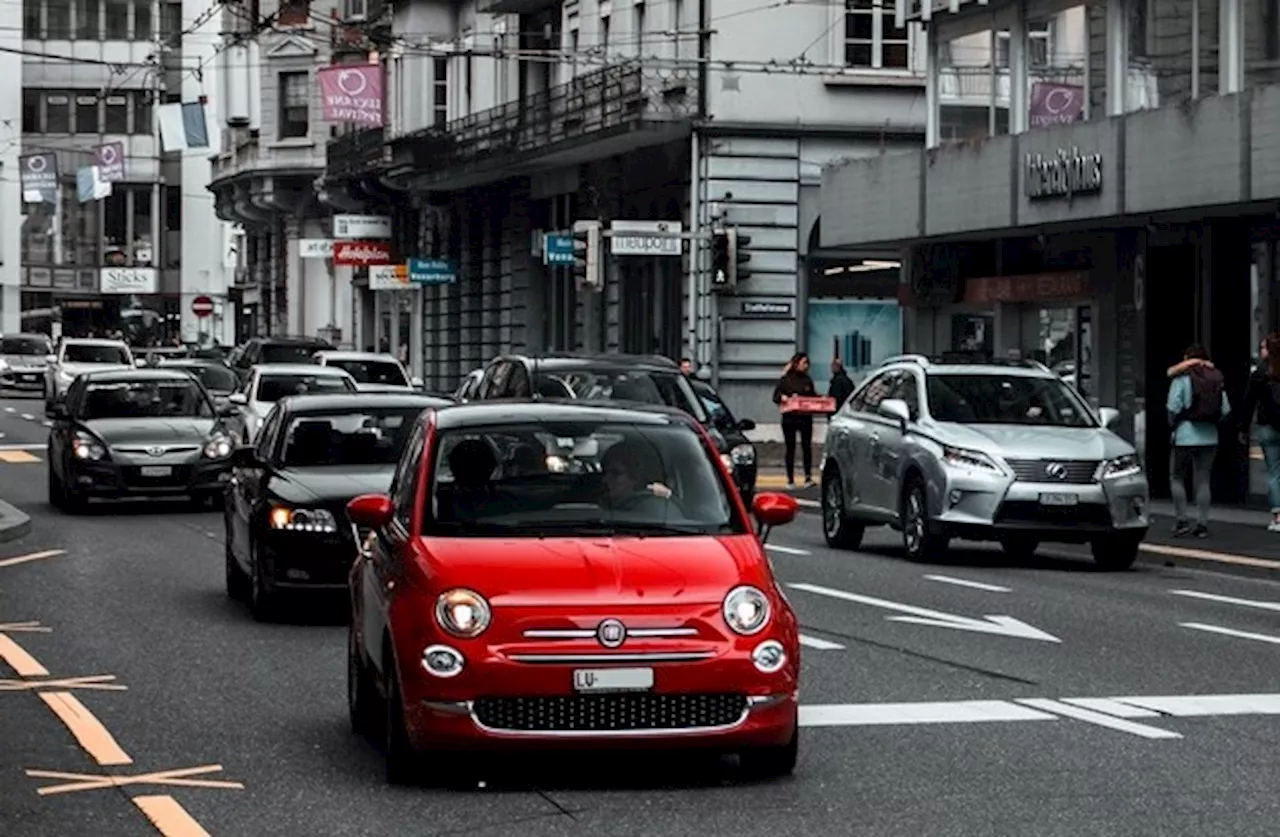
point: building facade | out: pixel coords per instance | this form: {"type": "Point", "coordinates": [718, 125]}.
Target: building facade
{"type": "Point", "coordinates": [93, 74]}
{"type": "Point", "coordinates": [1122, 209]}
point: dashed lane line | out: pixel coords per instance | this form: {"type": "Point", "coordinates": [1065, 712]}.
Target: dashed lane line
{"type": "Point", "coordinates": [19, 660]}
{"type": "Point", "coordinates": [34, 556]}
{"type": "Point", "coordinates": [786, 550]}
{"type": "Point", "coordinates": [1216, 629]}
{"type": "Point", "coordinates": [808, 504]}
{"type": "Point", "coordinates": [169, 817]}
{"type": "Point", "coordinates": [28, 417]}
{"type": "Point", "coordinates": [10, 409]}
{"type": "Point", "coordinates": [964, 582]}
{"type": "Point", "coordinates": [1213, 597]}
{"type": "Point", "coordinates": [819, 644]}
{"type": "Point", "coordinates": [1209, 555]}
{"type": "Point", "coordinates": [18, 457]}
{"type": "Point", "coordinates": [93, 737]}
{"type": "Point", "coordinates": [23, 447]}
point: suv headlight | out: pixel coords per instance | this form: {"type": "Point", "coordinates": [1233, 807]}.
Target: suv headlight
{"type": "Point", "coordinates": [972, 460]}
{"type": "Point", "coordinates": [218, 447]}
{"type": "Point", "coordinates": [746, 610]}
{"type": "Point", "coordinates": [743, 454]}
{"type": "Point", "coordinates": [1122, 466]}
{"type": "Point", "coordinates": [463, 613]}
{"type": "Point", "coordinates": [303, 520]}
{"type": "Point", "coordinates": [85, 446]}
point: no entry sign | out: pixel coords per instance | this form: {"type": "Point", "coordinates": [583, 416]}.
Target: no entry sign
{"type": "Point", "coordinates": [202, 306]}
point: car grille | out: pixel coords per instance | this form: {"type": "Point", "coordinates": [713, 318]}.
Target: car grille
{"type": "Point", "coordinates": [610, 713]}
{"type": "Point", "coordinates": [1079, 471]}
{"type": "Point", "coordinates": [1026, 511]}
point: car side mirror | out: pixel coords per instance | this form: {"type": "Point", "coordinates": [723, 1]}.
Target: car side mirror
{"type": "Point", "coordinates": [1107, 416]}
{"type": "Point", "coordinates": [370, 511]}
{"type": "Point", "coordinates": [57, 411]}
{"type": "Point", "coordinates": [239, 399]}
{"type": "Point", "coordinates": [746, 424]}
{"type": "Point", "coordinates": [895, 408]}
{"type": "Point", "coordinates": [416, 382]}
{"type": "Point", "coordinates": [773, 509]}
{"type": "Point", "coordinates": [246, 456]}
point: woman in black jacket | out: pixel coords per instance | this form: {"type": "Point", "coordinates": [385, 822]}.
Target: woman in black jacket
{"type": "Point", "coordinates": [1262, 399]}
{"type": "Point", "coordinates": [796, 381]}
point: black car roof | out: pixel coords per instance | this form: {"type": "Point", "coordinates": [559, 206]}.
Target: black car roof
{"type": "Point", "coordinates": [148, 373]}
{"type": "Point", "coordinates": [326, 402]}
{"type": "Point", "coordinates": [575, 360]}
{"type": "Point", "coordinates": [290, 341]}
{"type": "Point", "coordinates": [488, 413]}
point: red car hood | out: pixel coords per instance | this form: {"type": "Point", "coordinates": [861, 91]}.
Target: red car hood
{"type": "Point", "coordinates": [597, 571]}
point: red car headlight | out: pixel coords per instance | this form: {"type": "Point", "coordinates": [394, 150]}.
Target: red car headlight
{"type": "Point", "coordinates": [746, 610]}
{"type": "Point", "coordinates": [463, 613]}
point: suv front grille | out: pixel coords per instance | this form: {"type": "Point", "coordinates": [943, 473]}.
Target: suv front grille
{"type": "Point", "coordinates": [610, 713]}
{"type": "Point", "coordinates": [1078, 471]}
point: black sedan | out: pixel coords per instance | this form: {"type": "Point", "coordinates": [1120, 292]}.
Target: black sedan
{"type": "Point", "coordinates": [737, 452]}
{"type": "Point", "coordinates": [285, 512]}
{"type": "Point", "coordinates": [135, 432]}
{"type": "Point", "coordinates": [216, 376]}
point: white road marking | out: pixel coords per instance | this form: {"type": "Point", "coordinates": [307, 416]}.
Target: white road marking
{"type": "Point", "coordinates": [1214, 629]}
{"type": "Point", "coordinates": [1110, 706]}
{"type": "Point", "coordinates": [950, 712]}
{"type": "Point", "coordinates": [23, 447]}
{"type": "Point", "coordinates": [1199, 706]}
{"type": "Point", "coordinates": [787, 550]}
{"type": "Point", "coordinates": [976, 585]}
{"type": "Point", "coordinates": [28, 417]}
{"type": "Point", "coordinates": [819, 644]}
{"type": "Point", "coordinates": [1088, 716]}
{"type": "Point", "coordinates": [1213, 597]}
{"type": "Point", "coordinates": [1000, 625]}
{"type": "Point", "coordinates": [10, 410]}
{"type": "Point", "coordinates": [46, 423]}
{"type": "Point", "coordinates": [808, 504]}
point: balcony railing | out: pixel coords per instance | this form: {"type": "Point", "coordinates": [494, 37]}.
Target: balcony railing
{"type": "Point", "coordinates": [614, 99]}
{"type": "Point", "coordinates": [362, 151]}
{"type": "Point", "coordinates": [973, 85]}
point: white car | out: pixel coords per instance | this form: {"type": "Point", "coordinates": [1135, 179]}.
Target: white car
{"type": "Point", "coordinates": [74, 355]}
{"type": "Point", "coordinates": [373, 372]}
{"type": "Point", "coordinates": [268, 383]}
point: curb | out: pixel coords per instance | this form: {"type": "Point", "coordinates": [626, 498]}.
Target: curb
{"type": "Point", "coordinates": [14, 523]}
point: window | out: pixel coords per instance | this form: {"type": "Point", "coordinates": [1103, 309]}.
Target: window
{"type": "Point", "coordinates": [870, 396]}
{"type": "Point", "coordinates": [382, 372]}
{"type": "Point", "coordinates": [173, 208]}
{"type": "Point", "coordinates": [57, 113]}
{"type": "Point", "coordinates": [116, 114]}
{"type": "Point", "coordinates": [1005, 399]}
{"type": "Point", "coordinates": [370, 436]}
{"type": "Point", "coordinates": [405, 483]}
{"type": "Point", "coordinates": [87, 115]}
{"type": "Point", "coordinates": [604, 37]}
{"type": "Point", "coordinates": [31, 112]}
{"type": "Point", "coordinates": [115, 218]}
{"type": "Point", "coordinates": [31, 28]}
{"type": "Point", "coordinates": [170, 21]}
{"type": "Point", "coordinates": [440, 93]}
{"type": "Point", "coordinates": [142, 28]}
{"type": "Point", "coordinates": [145, 399]}
{"type": "Point", "coordinates": [908, 389]}
{"type": "Point", "coordinates": [117, 19]}
{"type": "Point", "coordinates": [88, 22]}
{"type": "Point", "coordinates": [294, 13]}
{"type": "Point", "coordinates": [57, 20]}
{"type": "Point", "coordinates": [1039, 45]}
{"type": "Point", "coordinates": [142, 197]}
{"type": "Point", "coordinates": [871, 41]}
{"type": "Point", "coordinates": [295, 100]}
{"type": "Point", "coordinates": [142, 112]}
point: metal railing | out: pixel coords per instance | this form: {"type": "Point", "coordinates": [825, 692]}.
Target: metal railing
{"type": "Point", "coordinates": [973, 85]}
{"type": "Point", "coordinates": [358, 152]}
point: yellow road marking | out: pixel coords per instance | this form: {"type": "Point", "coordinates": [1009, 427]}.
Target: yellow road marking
{"type": "Point", "coordinates": [90, 781]}
{"type": "Point", "coordinates": [87, 729]}
{"type": "Point", "coordinates": [97, 681]}
{"type": "Point", "coordinates": [31, 627]}
{"type": "Point", "coordinates": [17, 457]}
{"type": "Point", "coordinates": [1208, 555]}
{"type": "Point", "coordinates": [34, 556]}
{"type": "Point", "coordinates": [19, 660]}
{"type": "Point", "coordinates": [169, 817]}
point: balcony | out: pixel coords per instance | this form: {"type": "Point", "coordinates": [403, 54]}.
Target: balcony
{"type": "Point", "coordinates": [255, 180]}
{"type": "Point", "coordinates": [513, 7]}
{"type": "Point", "coordinates": [973, 86]}
{"type": "Point", "coordinates": [358, 153]}
{"type": "Point", "coordinates": [601, 114]}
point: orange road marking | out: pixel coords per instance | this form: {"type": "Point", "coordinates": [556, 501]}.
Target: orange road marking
{"type": "Point", "coordinates": [24, 627]}
{"type": "Point", "coordinates": [169, 817]}
{"type": "Point", "coordinates": [97, 681]}
{"type": "Point", "coordinates": [17, 457]}
{"type": "Point", "coordinates": [73, 782]}
{"type": "Point", "coordinates": [19, 660]}
{"type": "Point", "coordinates": [1208, 555]}
{"type": "Point", "coordinates": [34, 556]}
{"type": "Point", "coordinates": [87, 729]}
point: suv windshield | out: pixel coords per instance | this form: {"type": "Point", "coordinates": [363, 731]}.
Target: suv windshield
{"type": "Point", "coordinates": [88, 353]}
{"type": "Point", "coordinates": [288, 353]}
{"type": "Point", "coordinates": [664, 388]}
{"type": "Point", "coordinates": [272, 388]}
{"type": "Point", "coordinates": [144, 399]}
{"type": "Point", "coordinates": [579, 478]}
{"type": "Point", "coordinates": [373, 436]}
{"type": "Point", "coordinates": [372, 371]}
{"type": "Point", "coordinates": [1005, 399]}
{"type": "Point", "coordinates": [25, 346]}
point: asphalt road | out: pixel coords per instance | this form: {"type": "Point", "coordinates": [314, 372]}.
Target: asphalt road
{"type": "Point", "coordinates": [1043, 699]}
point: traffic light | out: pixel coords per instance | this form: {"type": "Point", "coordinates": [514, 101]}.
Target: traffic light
{"type": "Point", "coordinates": [588, 261]}
{"type": "Point", "coordinates": [723, 275]}
{"type": "Point", "coordinates": [739, 255]}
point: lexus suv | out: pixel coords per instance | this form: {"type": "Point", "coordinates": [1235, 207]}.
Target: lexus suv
{"type": "Point", "coordinates": [987, 452]}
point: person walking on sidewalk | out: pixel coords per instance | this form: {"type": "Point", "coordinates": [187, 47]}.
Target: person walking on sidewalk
{"type": "Point", "coordinates": [1197, 404]}
{"type": "Point", "coordinates": [795, 381]}
{"type": "Point", "coordinates": [1262, 399]}
{"type": "Point", "coordinates": [841, 387]}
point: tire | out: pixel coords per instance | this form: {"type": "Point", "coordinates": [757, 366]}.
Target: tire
{"type": "Point", "coordinates": [237, 581]}
{"type": "Point", "coordinates": [919, 541]}
{"type": "Point", "coordinates": [1116, 552]}
{"type": "Point", "coordinates": [771, 762]}
{"type": "Point", "coordinates": [1020, 548]}
{"type": "Point", "coordinates": [262, 602]}
{"type": "Point", "coordinates": [56, 498]}
{"type": "Point", "coordinates": [362, 695]}
{"type": "Point", "coordinates": [402, 762]}
{"type": "Point", "coordinates": [839, 531]}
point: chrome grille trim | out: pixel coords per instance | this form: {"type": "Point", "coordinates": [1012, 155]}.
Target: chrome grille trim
{"type": "Point", "coordinates": [589, 633]}
{"type": "Point", "coordinates": [636, 657]}
{"type": "Point", "coordinates": [167, 450]}
{"type": "Point", "coordinates": [1079, 471]}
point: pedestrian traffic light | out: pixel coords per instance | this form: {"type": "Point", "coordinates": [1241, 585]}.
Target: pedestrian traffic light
{"type": "Point", "coordinates": [739, 255]}
{"type": "Point", "coordinates": [723, 276]}
{"type": "Point", "coordinates": [588, 261]}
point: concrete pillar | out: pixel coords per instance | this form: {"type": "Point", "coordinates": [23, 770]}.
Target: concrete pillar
{"type": "Point", "coordinates": [1117, 57]}
{"type": "Point", "coordinates": [1230, 47]}
{"type": "Point", "coordinates": [1018, 83]}
{"type": "Point", "coordinates": [933, 109]}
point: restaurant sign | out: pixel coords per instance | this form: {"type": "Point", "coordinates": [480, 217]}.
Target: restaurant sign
{"type": "Point", "coordinates": [1064, 174]}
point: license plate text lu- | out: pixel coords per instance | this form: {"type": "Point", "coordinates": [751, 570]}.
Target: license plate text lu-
{"type": "Point", "coordinates": [156, 470]}
{"type": "Point", "coordinates": [1059, 499]}
{"type": "Point", "coordinates": [613, 679]}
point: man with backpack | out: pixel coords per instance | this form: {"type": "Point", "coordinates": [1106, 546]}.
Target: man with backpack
{"type": "Point", "coordinates": [1197, 404]}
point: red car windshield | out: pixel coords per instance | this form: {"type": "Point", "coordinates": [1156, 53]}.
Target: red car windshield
{"type": "Point", "coordinates": [577, 478]}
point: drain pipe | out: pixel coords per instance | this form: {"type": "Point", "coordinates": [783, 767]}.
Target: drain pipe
{"type": "Point", "coordinates": [695, 243]}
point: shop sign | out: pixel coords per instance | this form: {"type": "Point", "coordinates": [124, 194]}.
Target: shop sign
{"type": "Point", "coordinates": [1037, 287]}
{"type": "Point", "coordinates": [766, 309]}
{"type": "Point", "coordinates": [646, 238]}
{"type": "Point", "coordinates": [128, 280]}
{"type": "Point", "coordinates": [361, 226]}
{"type": "Point", "coordinates": [361, 253]}
{"type": "Point", "coordinates": [1063, 175]}
{"type": "Point", "coordinates": [389, 277]}
{"type": "Point", "coordinates": [432, 272]}
{"type": "Point", "coordinates": [315, 248]}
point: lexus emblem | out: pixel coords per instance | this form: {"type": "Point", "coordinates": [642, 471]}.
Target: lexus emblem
{"type": "Point", "coordinates": [1055, 470]}
{"type": "Point", "coordinates": [611, 633]}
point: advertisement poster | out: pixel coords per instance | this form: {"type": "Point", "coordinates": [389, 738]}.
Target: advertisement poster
{"type": "Point", "coordinates": [862, 333]}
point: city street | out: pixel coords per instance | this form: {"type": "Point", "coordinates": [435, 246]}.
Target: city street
{"type": "Point", "coordinates": [975, 697]}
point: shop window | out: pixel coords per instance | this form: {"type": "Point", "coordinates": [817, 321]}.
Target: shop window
{"type": "Point", "coordinates": [117, 20]}
{"type": "Point", "coordinates": [57, 20]}
{"type": "Point", "coordinates": [88, 20]}
{"type": "Point", "coordinates": [142, 116]}
{"type": "Point", "coordinates": [116, 114]}
{"type": "Point", "coordinates": [31, 112]}
{"type": "Point", "coordinates": [295, 105]}
{"type": "Point", "coordinates": [57, 113]}
{"type": "Point", "coordinates": [142, 23]}
{"type": "Point", "coordinates": [31, 28]}
{"type": "Point", "coordinates": [871, 40]}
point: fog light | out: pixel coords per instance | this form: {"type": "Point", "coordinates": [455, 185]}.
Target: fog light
{"type": "Point", "coordinates": [769, 656]}
{"type": "Point", "coordinates": [955, 497]}
{"type": "Point", "coordinates": [442, 661]}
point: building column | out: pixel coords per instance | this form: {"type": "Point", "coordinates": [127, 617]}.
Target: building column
{"type": "Point", "coordinates": [1117, 51]}
{"type": "Point", "coordinates": [1018, 81]}
{"type": "Point", "coordinates": [933, 108]}
{"type": "Point", "coordinates": [1230, 47]}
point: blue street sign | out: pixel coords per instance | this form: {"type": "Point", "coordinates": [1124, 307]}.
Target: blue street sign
{"type": "Point", "coordinates": [557, 248]}
{"type": "Point", "coordinates": [432, 272]}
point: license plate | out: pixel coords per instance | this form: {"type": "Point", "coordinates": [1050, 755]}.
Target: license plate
{"type": "Point", "coordinates": [1059, 499]}
{"type": "Point", "coordinates": [613, 679]}
{"type": "Point", "coordinates": [31, 378]}
{"type": "Point", "coordinates": [156, 470]}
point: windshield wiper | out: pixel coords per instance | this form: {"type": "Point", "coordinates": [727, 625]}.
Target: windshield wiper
{"type": "Point", "coordinates": [617, 527]}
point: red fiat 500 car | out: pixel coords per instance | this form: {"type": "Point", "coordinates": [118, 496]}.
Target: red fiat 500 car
{"type": "Point", "coordinates": [562, 574]}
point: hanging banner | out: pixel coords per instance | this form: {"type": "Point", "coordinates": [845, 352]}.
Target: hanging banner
{"type": "Point", "coordinates": [90, 185]}
{"type": "Point", "coordinates": [351, 94]}
{"type": "Point", "coordinates": [109, 158]}
{"type": "Point", "coordinates": [38, 177]}
{"type": "Point", "coordinates": [1055, 104]}
{"type": "Point", "coordinates": [361, 253]}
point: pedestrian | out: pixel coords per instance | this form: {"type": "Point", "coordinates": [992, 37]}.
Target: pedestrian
{"type": "Point", "coordinates": [1197, 404]}
{"type": "Point", "coordinates": [1262, 400]}
{"type": "Point", "coordinates": [795, 381]}
{"type": "Point", "coordinates": [686, 367]}
{"type": "Point", "coordinates": [841, 387]}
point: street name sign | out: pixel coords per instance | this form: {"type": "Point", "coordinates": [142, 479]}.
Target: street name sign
{"type": "Point", "coordinates": [646, 238]}
{"type": "Point", "coordinates": [557, 248]}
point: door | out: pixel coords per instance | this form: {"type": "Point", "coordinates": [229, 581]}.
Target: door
{"type": "Point", "coordinates": [249, 490]}
{"type": "Point", "coordinates": [857, 441]}
{"type": "Point", "coordinates": [889, 450]}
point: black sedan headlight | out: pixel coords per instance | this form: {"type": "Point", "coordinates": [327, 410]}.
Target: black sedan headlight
{"type": "Point", "coordinates": [303, 520]}
{"type": "Point", "coordinates": [218, 447]}
{"type": "Point", "coordinates": [85, 446]}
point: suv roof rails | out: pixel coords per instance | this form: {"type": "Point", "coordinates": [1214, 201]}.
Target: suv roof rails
{"type": "Point", "coordinates": [919, 360]}
{"type": "Point", "coordinates": [958, 358]}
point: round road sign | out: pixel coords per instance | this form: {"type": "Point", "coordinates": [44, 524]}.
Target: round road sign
{"type": "Point", "coordinates": [202, 306]}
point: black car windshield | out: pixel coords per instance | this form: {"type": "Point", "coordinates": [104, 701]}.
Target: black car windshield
{"type": "Point", "coordinates": [272, 388]}
{"type": "Point", "coordinates": [24, 346]}
{"type": "Point", "coordinates": [645, 387]}
{"type": "Point", "coordinates": [214, 378]}
{"type": "Point", "coordinates": [371, 436]}
{"type": "Point", "coordinates": [144, 399]}
{"type": "Point", "coordinates": [89, 353]}
{"type": "Point", "coordinates": [1005, 399]}
{"type": "Point", "coordinates": [288, 353]}
{"type": "Point", "coordinates": [373, 371]}
{"type": "Point", "coordinates": [577, 478]}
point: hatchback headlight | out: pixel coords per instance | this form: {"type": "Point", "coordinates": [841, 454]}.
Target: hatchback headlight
{"type": "Point", "coordinates": [463, 613]}
{"type": "Point", "coordinates": [85, 446]}
{"type": "Point", "coordinates": [303, 520]}
{"type": "Point", "coordinates": [746, 610]}
{"type": "Point", "coordinates": [727, 461]}
{"type": "Point", "coordinates": [1122, 466]}
{"type": "Point", "coordinates": [743, 454]}
{"type": "Point", "coordinates": [218, 447]}
{"type": "Point", "coordinates": [972, 460]}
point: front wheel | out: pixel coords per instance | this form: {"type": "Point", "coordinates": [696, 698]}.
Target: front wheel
{"type": "Point", "coordinates": [919, 541]}
{"type": "Point", "coordinates": [838, 530]}
{"type": "Point", "coordinates": [402, 761]}
{"type": "Point", "coordinates": [262, 600]}
{"type": "Point", "coordinates": [771, 762]}
{"type": "Point", "coordinates": [1116, 552]}
{"type": "Point", "coordinates": [362, 695]}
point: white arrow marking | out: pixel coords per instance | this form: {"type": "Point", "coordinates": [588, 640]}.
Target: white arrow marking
{"type": "Point", "coordinates": [1212, 597]}
{"type": "Point", "coordinates": [786, 550]}
{"type": "Point", "coordinates": [819, 644]}
{"type": "Point", "coordinates": [1000, 625]}
{"type": "Point", "coordinates": [1214, 629]}
{"type": "Point", "coordinates": [1091, 717]}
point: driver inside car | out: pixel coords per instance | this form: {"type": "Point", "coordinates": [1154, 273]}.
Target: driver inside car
{"type": "Point", "coordinates": [632, 480]}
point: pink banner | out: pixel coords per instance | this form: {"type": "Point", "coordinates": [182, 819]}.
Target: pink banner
{"type": "Point", "coordinates": [352, 93]}
{"type": "Point", "coordinates": [1055, 104]}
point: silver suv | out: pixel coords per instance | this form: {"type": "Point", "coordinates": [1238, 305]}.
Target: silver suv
{"type": "Point", "coordinates": [989, 452]}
